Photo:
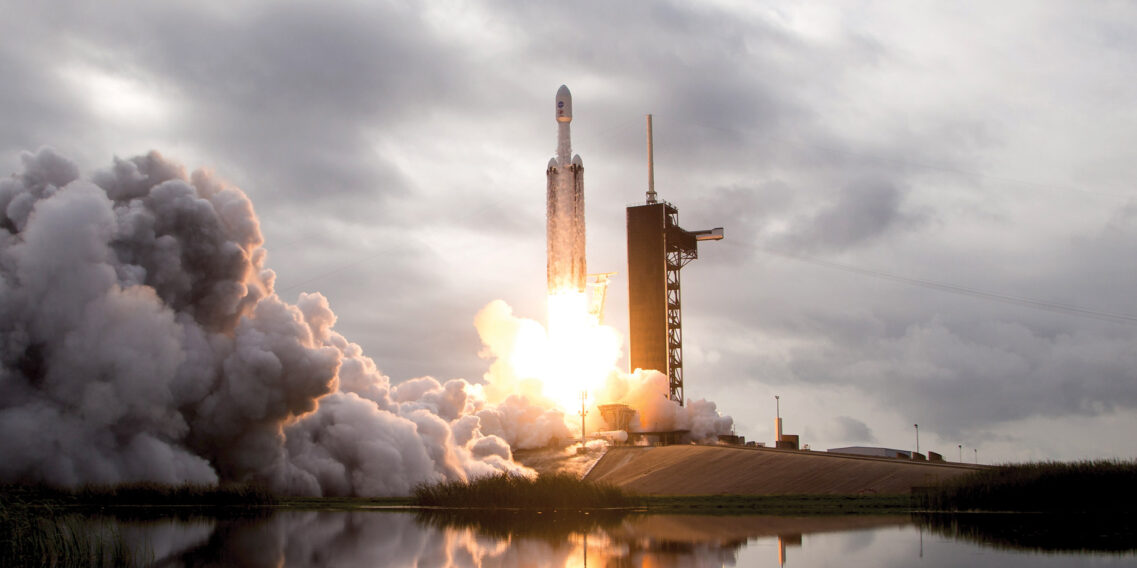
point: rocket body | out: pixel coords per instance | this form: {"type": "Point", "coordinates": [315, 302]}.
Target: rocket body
{"type": "Point", "coordinates": [565, 207]}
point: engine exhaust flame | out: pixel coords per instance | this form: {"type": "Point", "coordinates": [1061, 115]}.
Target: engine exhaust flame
{"type": "Point", "coordinates": [581, 352]}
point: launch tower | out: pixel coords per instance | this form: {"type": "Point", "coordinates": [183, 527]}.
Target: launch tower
{"type": "Point", "coordinates": [657, 249]}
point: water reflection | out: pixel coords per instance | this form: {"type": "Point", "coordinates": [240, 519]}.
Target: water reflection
{"type": "Point", "coordinates": [1040, 532]}
{"type": "Point", "coordinates": [474, 539]}
{"type": "Point", "coordinates": [572, 540]}
{"type": "Point", "coordinates": [553, 526]}
{"type": "Point", "coordinates": [668, 540]}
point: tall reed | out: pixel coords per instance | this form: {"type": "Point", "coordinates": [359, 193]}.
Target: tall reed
{"type": "Point", "coordinates": [1101, 486]}
{"type": "Point", "coordinates": [41, 537]}
{"type": "Point", "coordinates": [557, 491]}
{"type": "Point", "coordinates": [102, 497]}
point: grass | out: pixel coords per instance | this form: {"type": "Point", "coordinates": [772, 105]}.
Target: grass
{"type": "Point", "coordinates": [134, 495]}
{"type": "Point", "coordinates": [1102, 487]}
{"type": "Point", "coordinates": [39, 535]}
{"type": "Point", "coordinates": [504, 491]}
{"type": "Point", "coordinates": [48, 526]}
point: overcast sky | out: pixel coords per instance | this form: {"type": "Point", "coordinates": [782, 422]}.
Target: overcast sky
{"type": "Point", "coordinates": [929, 207]}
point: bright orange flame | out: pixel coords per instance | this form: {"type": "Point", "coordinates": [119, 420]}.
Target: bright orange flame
{"type": "Point", "coordinates": [550, 367]}
{"type": "Point", "coordinates": [581, 352]}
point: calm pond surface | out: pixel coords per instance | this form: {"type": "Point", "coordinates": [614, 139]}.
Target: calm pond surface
{"type": "Point", "coordinates": [481, 539]}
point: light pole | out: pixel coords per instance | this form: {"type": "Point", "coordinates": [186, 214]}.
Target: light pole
{"type": "Point", "coordinates": [976, 455]}
{"type": "Point", "coordinates": [778, 421]}
{"type": "Point", "coordinates": [960, 453]}
{"type": "Point", "coordinates": [917, 437]}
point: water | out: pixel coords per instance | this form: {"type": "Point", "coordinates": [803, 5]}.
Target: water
{"type": "Point", "coordinates": [388, 538]}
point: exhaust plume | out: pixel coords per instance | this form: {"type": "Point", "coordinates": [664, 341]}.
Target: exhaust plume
{"type": "Point", "coordinates": [141, 340]}
{"type": "Point", "coordinates": [512, 342]}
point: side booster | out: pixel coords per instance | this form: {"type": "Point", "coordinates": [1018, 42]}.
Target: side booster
{"type": "Point", "coordinates": [565, 207]}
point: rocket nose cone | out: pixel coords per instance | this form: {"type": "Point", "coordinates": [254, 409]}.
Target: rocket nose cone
{"type": "Point", "coordinates": [564, 105]}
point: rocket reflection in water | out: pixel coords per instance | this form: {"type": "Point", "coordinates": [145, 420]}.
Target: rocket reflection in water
{"type": "Point", "coordinates": [565, 214]}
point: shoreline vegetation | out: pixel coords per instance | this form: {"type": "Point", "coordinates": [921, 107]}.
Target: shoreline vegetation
{"type": "Point", "coordinates": [63, 527]}
{"type": "Point", "coordinates": [504, 491]}
{"type": "Point", "coordinates": [1102, 486]}
{"type": "Point", "coordinates": [132, 495]}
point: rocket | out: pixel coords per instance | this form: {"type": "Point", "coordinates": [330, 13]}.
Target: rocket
{"type": "Point", "coordinates": [565, 207]}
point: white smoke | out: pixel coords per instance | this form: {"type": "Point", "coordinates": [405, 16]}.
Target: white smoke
{"type": "Point", "coordinates": [141, 340]}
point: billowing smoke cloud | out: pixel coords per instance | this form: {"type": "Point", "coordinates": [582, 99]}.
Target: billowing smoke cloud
{"type": "Point", "coordinates": [140, 339]}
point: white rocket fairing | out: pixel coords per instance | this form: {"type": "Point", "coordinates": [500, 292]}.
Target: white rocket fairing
{"type": "Point", "coordinates": [565, 213]}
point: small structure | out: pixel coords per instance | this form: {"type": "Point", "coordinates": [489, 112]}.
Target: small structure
{"type": "Point", "coordinates": [617, 416]}
{"type": "Point", "coordinates": [872, 452]}
{"type": "Point", "coordinates": [665, 438]}
{"type": "Point", "coordinates": [732, 439]}
{"type": "Point", "coordinates": [788, 442]}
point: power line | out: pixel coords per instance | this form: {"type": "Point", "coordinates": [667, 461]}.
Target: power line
{"type": "Point", "coordinates": [908, 163]}
{"type": "Point", "coordinates": [1056, 307]}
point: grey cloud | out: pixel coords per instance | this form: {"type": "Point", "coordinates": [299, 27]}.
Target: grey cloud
{"type": "Point", "coordinates": [978, 377]}
{"type": "Point", "coordinates": [851, 430]}
{"type": "Point", "coordinates": [862, 212]}
{"type": "Point", "coordinates": [851, 137]}
{"type": "Point", "coordinates": [289, 93]}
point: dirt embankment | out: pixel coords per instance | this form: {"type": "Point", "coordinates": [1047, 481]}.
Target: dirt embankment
{"type": "Point", "coordinates": [715, 470]}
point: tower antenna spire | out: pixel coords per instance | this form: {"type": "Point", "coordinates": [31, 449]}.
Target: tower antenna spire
{"type": "Point", "coordinates": [650, 165]}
